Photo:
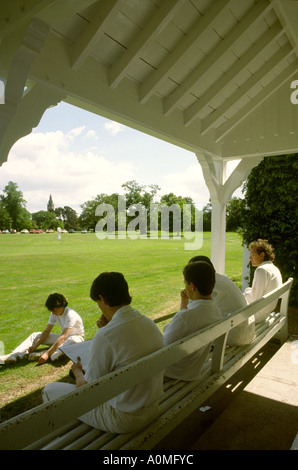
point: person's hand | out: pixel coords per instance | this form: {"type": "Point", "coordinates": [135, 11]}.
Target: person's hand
{"type": "Point", "coordinates": [43, 358]}
{"type": "Point", "coordinates": [102, 321]}
{"type": "Point", "coordinates": [184, 299]}
{"type": "Point", "coordinates": [31, 349]}
{"type": "Point", "coordinates": [78, 372]}
{"type": "Point", "coordinates": [77, 367]}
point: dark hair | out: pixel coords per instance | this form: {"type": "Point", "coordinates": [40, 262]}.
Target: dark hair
{"type": "Point", "coordinates": [113, 287]}
{"type": "Point", "coordinates": [56, 300]}
{"type": "Point", "coordinates": [201, 258]}
{"type": "Point", "coordinates": [202, 275]}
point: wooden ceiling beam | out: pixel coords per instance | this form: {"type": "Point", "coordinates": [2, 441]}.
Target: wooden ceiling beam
{"type": "Point", "coordinates": [149, 87]}
{"type": "Point", "coordinates": [155, 25]}
{"type": "Point", "coordinates": [255, 14]}
{"type": "Point", "coordinates": [271, 88]}
{"type": "Point", "coordinates": [13, 16]}
{"type": "Point", "coordinates": [243, 63]}
{"type": "Point", "coordinates": [210, 121]}
{"type": "Point", "coordinates": [91, 34]}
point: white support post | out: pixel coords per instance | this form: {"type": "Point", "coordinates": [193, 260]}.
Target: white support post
{"type": "Point", "coordinates": [221, 189]}
{"type": "Point", "coordinates": [218, 236]}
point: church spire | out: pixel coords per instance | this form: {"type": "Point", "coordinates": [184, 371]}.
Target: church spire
{"type": "Point", "coordinates": [51, 205]}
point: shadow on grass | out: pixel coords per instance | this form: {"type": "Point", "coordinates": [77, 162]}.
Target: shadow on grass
{"type": "Point", "coordinates": [34, 398]}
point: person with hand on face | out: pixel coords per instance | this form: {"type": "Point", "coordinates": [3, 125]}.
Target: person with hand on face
{"type": "Point", "coordinates": [267, 276]}
{"type": "Point", "coordinates": [197, 310]}
{"type": "Point", "coordinates": [72, 331]}
{"type": "Point", "coordinates": [229, 298]}
{"type": "Point", "coordinates": [127, 337]}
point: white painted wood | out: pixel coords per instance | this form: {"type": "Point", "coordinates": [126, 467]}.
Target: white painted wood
{"type": "Point", "coordinates": [93, 32]}
{"type": "Point", "coordinates": [151, 84]}
{"type": "Point", "coordinates": [221, 190]}
{"type": "Point", "coordinates": [254, 103]}
{"type": "Point", "coordinates": [257, 78]}
{"type": "Point", "coordinates": [153, 28]}
{"type": "Point", "coordinates": [218, 236]}
{"type": "Point", "coordinates": [236, 33]}
{"type": "Point", "coordinates": [250, 56]}
{"type": "Point", "coordinates": [134, 56]}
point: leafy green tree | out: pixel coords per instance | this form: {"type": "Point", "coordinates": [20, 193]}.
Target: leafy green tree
{"type": "Point", "coordinates": [235, 214]}
{"type": "Point", "coordinates": [14, 204]}
{"type": "Point", "coordinates": [5, 220]}
{"type": "Point", "coordinates": [180, 202]}
{"type": "Point", "coordinates": [271, 198]}
{"type": "Point", "coordinates": [88, 218]}
{"type": "Point", "coordinates": [69, 217]}
{"type": "Point", "coordinates": [207, 212]}
{"type": "Point", "coordinates": [138, 199]}
{"type": "Point", "coordinates": [46, 220]}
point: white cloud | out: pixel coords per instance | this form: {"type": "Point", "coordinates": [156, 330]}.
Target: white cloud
{"type": "Point", "coordinates": [91, 134]}
{"type": "Point", "coordinates": [189, 183]}
{"type": "Point", "coordinates": [76, 131]}
{"type": "Point", "coordinates": [113, 127]}
{"type": "Point", "coordinates": [48, 163]}
{"type": "Point", "coordinates": [61, 164]}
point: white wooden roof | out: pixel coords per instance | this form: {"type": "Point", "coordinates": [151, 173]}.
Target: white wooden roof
{"type": "Point", "coordinates": [211, 76]}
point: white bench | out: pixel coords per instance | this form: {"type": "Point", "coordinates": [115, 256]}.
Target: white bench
{"type": "Point", "coordinates": [55, 425]}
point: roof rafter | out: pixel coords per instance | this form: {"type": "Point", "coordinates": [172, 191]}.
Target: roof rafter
{"type": "Point", "coordinates": [271, 88]}
{"type": "Point", "coordinates": [266, 69]}
{"type": "Point", "coordinates": [12, 17]}
{"type": "Point", "coordinates": [93, 32]}
{"type": "Point", "coordinates": [162, 17]}
{"type": "Point", "coordinates": [243, 63]}
{"type": "Point", "coordinates": [255, 14]}
{"type": "Point", "coordinates": [149, 86]}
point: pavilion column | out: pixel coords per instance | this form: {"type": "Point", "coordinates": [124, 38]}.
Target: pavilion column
{"type": "Point", "coordinates": [218, 235]}
{"type": "Point", "coordinates": [221, 189]}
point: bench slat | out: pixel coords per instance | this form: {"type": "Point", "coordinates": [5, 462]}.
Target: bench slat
{"type": "Point", "coordinates": [59, 432]}
{"type": "Point", "coordinates": [68, 437]}
{"type": "Point", "coordinates": [84, 440]}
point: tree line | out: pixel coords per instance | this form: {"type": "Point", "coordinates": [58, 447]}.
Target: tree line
{"type": "Point", "coordinates": [14, 215]}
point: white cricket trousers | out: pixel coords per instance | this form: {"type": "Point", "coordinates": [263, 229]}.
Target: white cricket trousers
{"type": "Point", "coordinates": [104, 416]}
{"type": "Point", "coordinates": [23, 348]}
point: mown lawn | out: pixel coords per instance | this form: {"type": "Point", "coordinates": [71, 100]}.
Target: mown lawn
{"type": "Point", "coordinates": [33, 266]}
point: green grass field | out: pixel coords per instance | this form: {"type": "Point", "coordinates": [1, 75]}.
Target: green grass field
{"type": "Point", "coordinates": [33, 266]}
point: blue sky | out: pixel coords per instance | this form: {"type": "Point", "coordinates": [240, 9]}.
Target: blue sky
{"type": "Point", "coordinates": [75, 155]}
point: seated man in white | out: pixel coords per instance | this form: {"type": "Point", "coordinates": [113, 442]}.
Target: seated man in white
{"type": "Point", "coordinates": [267, 276]}
{"type": "Point", "coordinates": [127, 336]}
{"type": "Point", "coordinates": [229, 298]}
{"type": "Point", "coordinates": [72, 331]}
{"type": "Point", "coordinates": [198, 310]}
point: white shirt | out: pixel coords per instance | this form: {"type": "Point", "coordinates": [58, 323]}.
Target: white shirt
{"type": "Point", "coordinates": [126, 338]}
{"type": "Point", "coordinates": [267, 277]}
{"type": "Point", "coordinates": [68, 319]}
{"type": "Point", "coordinates": [197, 315]}
{"type": "Point", "coordinates": [229, 298]}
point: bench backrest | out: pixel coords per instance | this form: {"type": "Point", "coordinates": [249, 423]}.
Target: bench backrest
{"type": "Point", "coordinates": [47, 417]}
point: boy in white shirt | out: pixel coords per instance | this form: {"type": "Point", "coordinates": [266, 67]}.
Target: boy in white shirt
{"type": "Point", "coordinates": [197, 310]}
{"type": "Point", "coordinates": [72, 331]}
{"type": "Point", "coordinates": [127, 336]}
